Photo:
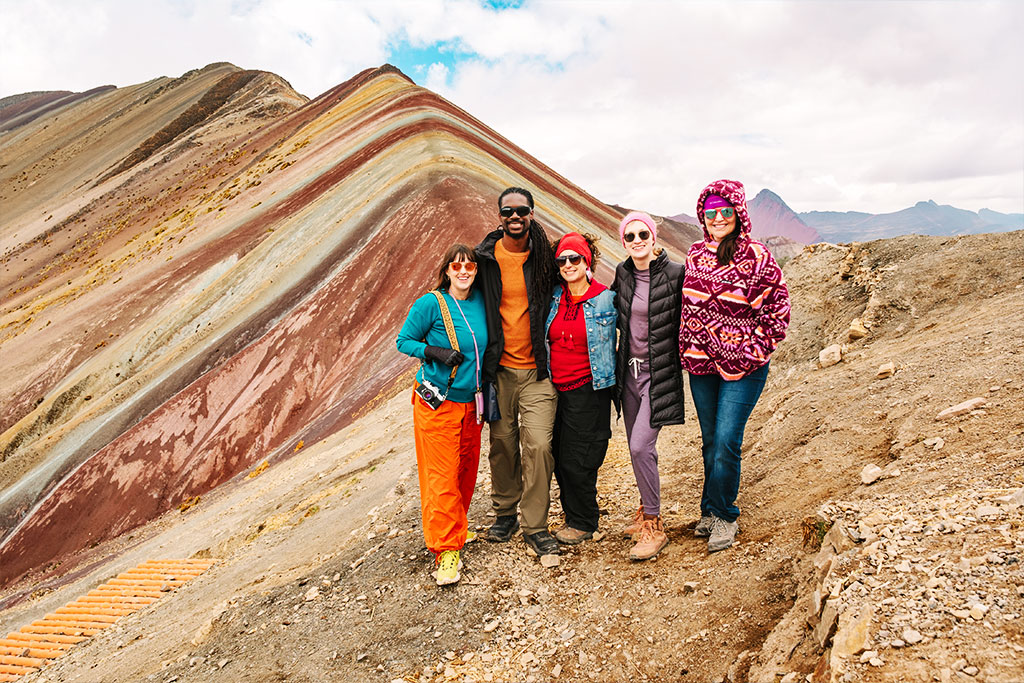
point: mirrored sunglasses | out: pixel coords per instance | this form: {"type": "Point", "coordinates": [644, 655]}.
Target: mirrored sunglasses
{"type": "Point", "coordinates": [521, 211]}
{"type": "Point", "coordinates": [470, 266]}
{"type": "Point", "coordinates": [574, 259]}
{"type": "Point", "coordinates": [726, 211]}
{"type": "Point", "coordinates": [642, 235]}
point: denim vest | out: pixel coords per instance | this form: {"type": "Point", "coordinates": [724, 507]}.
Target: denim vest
{"type": "Point", "coordinates": [600, 316]}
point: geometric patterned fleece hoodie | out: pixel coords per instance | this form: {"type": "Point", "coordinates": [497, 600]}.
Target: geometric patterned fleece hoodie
{"type": "Point", "coordinates": [733, 315]}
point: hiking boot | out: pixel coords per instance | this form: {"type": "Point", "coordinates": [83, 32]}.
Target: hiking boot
{"type": "Point", "coordinates": [703, 528]}
{"type": "Point", "coordinates": [542, 543]}
{"type": "Point", "coordinates": [502, 529]}
{"type": "Point", "coordinates": [723, 534]}
{"type": "Point", "coordinates": [570, 536]}
{"type": "Point", "coordinates": [634, 528]}
{"type": "Point", "coordinates": [448, 566]}
{"type": "Point", "coordinates": [650, 540]}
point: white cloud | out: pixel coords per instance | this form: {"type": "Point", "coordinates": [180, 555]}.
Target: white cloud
{"type": "Point", "coordinates": [834, 105]}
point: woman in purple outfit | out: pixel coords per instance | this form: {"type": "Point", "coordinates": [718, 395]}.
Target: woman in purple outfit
{"type": "Point", "coordinates": [735, 312]}
{"type": "Point", "coordinates": [647, 367]}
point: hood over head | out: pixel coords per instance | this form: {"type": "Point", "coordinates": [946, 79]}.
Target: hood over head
{"type": "Point", "coordinates": [732, 192]}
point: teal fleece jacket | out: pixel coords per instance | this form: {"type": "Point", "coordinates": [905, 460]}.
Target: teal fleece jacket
{"type": "Point", "coordinates": [424, 326]}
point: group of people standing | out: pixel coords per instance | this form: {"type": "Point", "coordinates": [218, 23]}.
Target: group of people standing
{"type": "Point", "coordinates": [521, 335]}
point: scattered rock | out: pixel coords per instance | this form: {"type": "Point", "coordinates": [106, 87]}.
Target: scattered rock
{"type": "Point", "coordinates": [978, 611]}
{"type": "Point", "coordinates": [987, 511]}
{"type": "Point", "coordinates": [791, 677]}
{"type": "Point", "coordinates": [690, 587]}
{"type": "Point", "coordinates": [911, 636]}
{"type": "Point", "coordinates": [870, 474]}
{"type": "Point", "coordinates": [935, 443]}
{"type": "Point", "coordinates": [887, 369]}
{"type": "Point", "coordinates": [962, 408]}
{"type": "Point", "coordinates": [312, 594]}
{"type": "Point", "coordinates": [549, 561]}
{"type": "Point", "coordinates": [830, 355]}
{"type": "Point", "coordinates": [491, 625]}
{"type": "Point", "coordinates": [971, 670]}
{"type": "Point", "coordinates": [856, 330]}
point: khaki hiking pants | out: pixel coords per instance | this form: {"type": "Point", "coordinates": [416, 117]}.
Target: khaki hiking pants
{"type": "Point", "coordinates": [520, 457]}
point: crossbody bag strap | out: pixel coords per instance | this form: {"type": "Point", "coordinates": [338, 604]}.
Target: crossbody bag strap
{"type": "Point", "coordinates": [449, 327]}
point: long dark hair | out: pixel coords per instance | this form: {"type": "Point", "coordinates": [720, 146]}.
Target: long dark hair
{"type": "Point", "coordinates": [727, 247]}
{"type": "Point", "coordinates": [453, 254]}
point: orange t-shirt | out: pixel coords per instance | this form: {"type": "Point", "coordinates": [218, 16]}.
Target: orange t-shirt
{"type": "Point", "coordinates": [514, 310]}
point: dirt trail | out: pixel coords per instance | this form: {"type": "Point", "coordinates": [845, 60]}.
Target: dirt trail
{"type": "Point", "coordinates": [335, 584]}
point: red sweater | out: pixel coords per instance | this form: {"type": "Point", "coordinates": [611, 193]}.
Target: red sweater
{"type": "Point", "coordinates": [570, 359]}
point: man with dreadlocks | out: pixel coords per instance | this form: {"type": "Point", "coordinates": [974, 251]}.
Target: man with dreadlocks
{"type": "Point", "coordinates": [517, 274]}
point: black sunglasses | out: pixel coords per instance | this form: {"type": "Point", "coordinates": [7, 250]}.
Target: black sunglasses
{"type": "Point", "coordinates": [574, 259]}
{"type": "Point", "coordinates": [642, 235]}
{"type": "Point", "coordinates": [521, 211]}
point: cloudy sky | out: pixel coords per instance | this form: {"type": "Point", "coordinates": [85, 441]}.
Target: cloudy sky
{"type": "Point", "coordinates": [834, 105]}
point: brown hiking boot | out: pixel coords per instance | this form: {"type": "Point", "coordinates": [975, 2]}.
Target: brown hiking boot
{"type": "Point", "coordinates": [634, 528]}
{"type": "Point", "coordinates": [571, 536]}
{"type": "Point", "coordinates": [650, 540]}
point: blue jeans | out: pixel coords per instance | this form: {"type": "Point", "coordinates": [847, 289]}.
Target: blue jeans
{"type": "Point", "coordinates": [723, 408]}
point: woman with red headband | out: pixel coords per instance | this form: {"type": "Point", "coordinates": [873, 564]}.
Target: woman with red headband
{"type": "Point", "coordinates": [580, 336]}
{"type": "Point", "coordinates": [735, 312]}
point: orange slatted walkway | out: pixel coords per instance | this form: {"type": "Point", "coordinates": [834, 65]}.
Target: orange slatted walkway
{"type": "Point", "coordinates": [32, 646]}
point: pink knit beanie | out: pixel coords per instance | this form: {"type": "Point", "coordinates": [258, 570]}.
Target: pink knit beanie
{"type": "Point", "coordinates": [637, 216]}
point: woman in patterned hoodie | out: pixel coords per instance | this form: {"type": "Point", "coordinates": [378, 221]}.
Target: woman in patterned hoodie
{"type": "Point", "coordinates": [735, 312]}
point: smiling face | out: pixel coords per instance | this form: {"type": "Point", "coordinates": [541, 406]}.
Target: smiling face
{"type": "Point", "coordinates": [720, 227]}
{"type": "Point", "coordinates": [569, 271]}
{"type": "Point", "coordinates": [516, 226]}
{"type": "Point", "coordinates": [640, 247]}
{"type": "Point", "coordinates": [462, 273]}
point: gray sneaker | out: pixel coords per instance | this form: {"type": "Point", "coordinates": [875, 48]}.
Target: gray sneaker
{"type": "Point", "coordinates": [703, 528]}
{"type": "Point", "coordinates": [723, 534]}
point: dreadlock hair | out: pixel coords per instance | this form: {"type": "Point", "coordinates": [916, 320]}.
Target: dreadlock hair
{"type": "Point", "coordinates": [516, 190]}
{"type": "Point", "coordinates": [545, 272]}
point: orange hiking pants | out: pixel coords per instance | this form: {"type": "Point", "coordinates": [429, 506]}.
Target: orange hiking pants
{"type": "Point", "coordinates": [447, 458]}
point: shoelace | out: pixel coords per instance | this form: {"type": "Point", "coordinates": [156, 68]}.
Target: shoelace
{"type": "Point", "coordinates": [646, 531]}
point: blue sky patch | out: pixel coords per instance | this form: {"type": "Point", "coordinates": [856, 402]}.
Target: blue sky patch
{"type": "Point", "coordinates": [415, 60]}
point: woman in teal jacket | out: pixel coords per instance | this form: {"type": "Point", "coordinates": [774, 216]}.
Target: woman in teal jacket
{"type": "Point", "coordinates": [580, 340]}
{"type": "Point", "coordinates": [446, 413]}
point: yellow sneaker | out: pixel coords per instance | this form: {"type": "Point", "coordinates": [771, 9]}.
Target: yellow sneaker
{"type": "Point", "coordinates": [448, 565]}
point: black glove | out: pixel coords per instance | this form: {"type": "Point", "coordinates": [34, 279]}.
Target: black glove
{"type": "Point", "coordinates": [449, 357]}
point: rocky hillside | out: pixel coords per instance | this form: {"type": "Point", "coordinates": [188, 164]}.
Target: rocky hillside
{"type": "Point", "coordinates": [198, 273]}
{"type": "Point", "coordinates": [881, 532]}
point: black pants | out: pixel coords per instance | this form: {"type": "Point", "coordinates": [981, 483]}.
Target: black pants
{"type": "Point", "coordinates": [579, 444]}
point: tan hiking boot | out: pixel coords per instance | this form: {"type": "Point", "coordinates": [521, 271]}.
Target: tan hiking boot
{"type": "Point", "coordinates": [634, 528]}
{"type": "Point", "coordinates": [650, 540]}
{"type": "Point", "coordinates": [571, 536]}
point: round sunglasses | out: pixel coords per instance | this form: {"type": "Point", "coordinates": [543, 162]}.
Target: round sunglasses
{"type": "Point", "coordinates": [574, 260]}
{"type": "Point", "coordinates": [727, 212]}
{"type": "Point", "coordinates": [521, 211]}
{"type": "Point", "coordinates": [457, 266]}
{"type": "Point", "coordinates": [642, 235]}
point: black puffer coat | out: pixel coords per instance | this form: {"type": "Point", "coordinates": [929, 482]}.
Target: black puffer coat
{"type": "Point", "coordinates": [665, 309]}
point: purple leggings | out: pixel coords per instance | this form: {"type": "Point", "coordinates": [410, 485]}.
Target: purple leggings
{"type": "Point", "coordinates": [642, 437]}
